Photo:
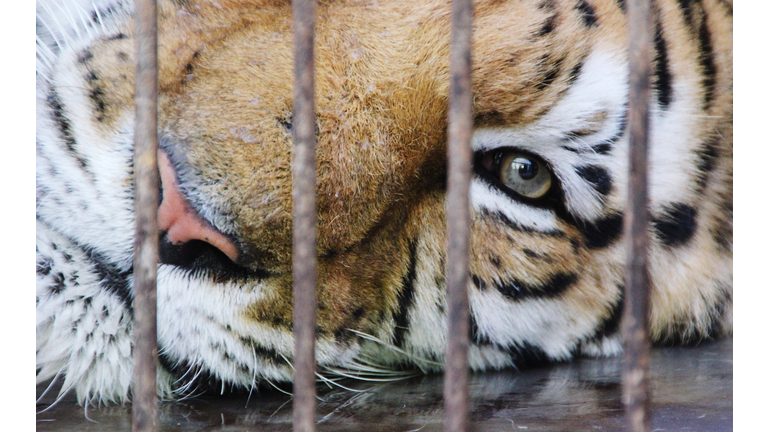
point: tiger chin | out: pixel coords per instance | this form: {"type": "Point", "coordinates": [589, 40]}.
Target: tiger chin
{"type": "Point", "coordinates": [548, 194]}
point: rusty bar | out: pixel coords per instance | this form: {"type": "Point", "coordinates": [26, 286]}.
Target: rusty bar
{"type": "Point", "coordinates": [636, 379]}
{"type": "Point", "coordinates": [144, 411]}
{"type": "Point", "coordinates": [304, 218]}
{"type": "Point", "coordinates": [459, 174]}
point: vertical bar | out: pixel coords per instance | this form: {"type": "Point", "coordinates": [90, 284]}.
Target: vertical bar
{"type": "Point", "coordinates": [636, 379]}
{"type": "Point", "coordinates": [459, 173]}
{"type": "Point", "coordinates": [145, 202]}
{"type": "Point", "coordinates": [304, 218]}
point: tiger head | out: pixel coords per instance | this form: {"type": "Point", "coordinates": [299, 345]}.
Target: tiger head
{"type": "Point", "coordinates": [550, 82]}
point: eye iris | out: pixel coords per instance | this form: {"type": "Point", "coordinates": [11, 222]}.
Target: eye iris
{"type": "Point", "coordinates": [525, 175]}
{"type": "Point", "coordinates": [526, 169]}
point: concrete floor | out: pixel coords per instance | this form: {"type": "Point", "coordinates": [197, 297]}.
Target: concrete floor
{"type": "Point", "coordinates": [692, 391]}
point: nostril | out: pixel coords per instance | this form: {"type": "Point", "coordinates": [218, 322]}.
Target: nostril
{"type": "Point", "coordinates": [183, 254]}
{"type": "Point", "coordinates": [181, 223]}
{"type": "Point", "coordinates": [202, 258]}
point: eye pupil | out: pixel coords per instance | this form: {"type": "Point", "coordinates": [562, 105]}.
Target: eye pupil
{"type": "Point", "coordinates": [526, 169]}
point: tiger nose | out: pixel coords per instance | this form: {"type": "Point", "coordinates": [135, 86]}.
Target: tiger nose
{"type": "Point", "coordinates": [181, 222]}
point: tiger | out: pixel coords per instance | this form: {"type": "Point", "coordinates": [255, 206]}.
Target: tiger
{"type": "Point", "coordinates": [548, 193]}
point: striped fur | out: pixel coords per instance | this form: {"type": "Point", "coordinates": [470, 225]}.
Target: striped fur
{"type": "Point", "coordinates": [550, 82]}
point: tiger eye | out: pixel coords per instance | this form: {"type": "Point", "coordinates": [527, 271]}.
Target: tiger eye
{"type": "Point", "coordinates": [525, 174]}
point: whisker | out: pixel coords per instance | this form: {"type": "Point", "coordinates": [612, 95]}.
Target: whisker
{"type": "Point", "coordinates": [99, 20]}
{"type": "Point", "coordinates": [58, 23]}
{"type": "Point", "coordinates": [71, 18]}
{"type": "Point", "coordinates": [51, 385]}
{"type": "Point", "coordinates": [85, 410]}
{"type": "Point", "coordinates": [84, 20]}
{"type": "Point", "coordinates": [394, 348]}
{"type": "Point", "coordinates": [53, 35]}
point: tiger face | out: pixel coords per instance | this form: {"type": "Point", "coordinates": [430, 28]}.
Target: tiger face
{"type": "Point", "coordinates": [550, 82]}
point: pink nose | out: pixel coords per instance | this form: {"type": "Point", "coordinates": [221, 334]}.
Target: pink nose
{"type": "Point", "coordinates": [180, 220]}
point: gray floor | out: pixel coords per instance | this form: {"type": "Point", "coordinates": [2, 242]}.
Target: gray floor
{"type": "Point", "coordinates": [692, 391]}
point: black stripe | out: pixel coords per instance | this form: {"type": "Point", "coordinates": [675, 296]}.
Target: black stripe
{"type": "Point", "coordinates": [549, 25]}
{"type": "Point", "coordinates": [707, 160]}
{"type": "Point", "coordinates": [85, 56]}
{"type": "Point", "coordinates": [676, 225]}
{"type": "Point", "coordinates": [107, 12]}
{"type": "Point", "coordinates": [523, 354]}
{"type": "Point", "coordinates": [404, 300]}
{"type": "Point", "coordinates": [718, 310]}
{"type": "Point", "coordinates": [604, 147]}
{"type": "Point", "coordinates": [117, 37]}
{"type": "Point", "coordinates": [602, 232]}
{"type": "Point", "coordinates": [576, 71]}
{"type": "Point", "coordinates": [610, 324]}
{"type": "Point", "coordinates": [587, 13]}
{"type": "Point", "coordinates": [723, 229]}
{"type": "Point", "coordinates": [59, 283]}
{"type": "Point", "coordinates": [571, 149]}
{"type": "Point", "coordinates": [531, 254]}
{"type": "Point", "coordinates": [526, 355]}
{"type": "Point", "coordinates": [621, 5]}
{"type": "Point", "coordinates": [685, 7]}
{"type": "Point", "coordinates": [551, 72]}
{"type": "Point", "coordinates": [474, 331]}
{"type": "Point", "coordinates": [261, 351]}
{"type": "Point", "coordinates": [622, 123]}
{"type": "Point", "coordinates": [547, 4]}
{"type": "Point", "coordinates": [65, 128]}
{"type": "Point", "coordinates": [478, 282]}
{"type": "Point", "coordinates": [554, 287]}
{"type": "Point", "coordinates": [597, 177]}
{"type": "Point", "coordinates": [707, 62]}
{"type": "Point", "coordinates": [97, 96]}
{"type": "Point", "coordinates": [663, 78]}
{"type": "Point", "coordinates": [44, 265]}
{"type": "Point", "coordinates": [501, 217]}
{"type": "Point", "coordinates": [112, 279]}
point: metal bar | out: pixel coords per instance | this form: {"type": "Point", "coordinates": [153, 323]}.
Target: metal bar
{"type": "Point", "coordinates": [304, 218]}
{"type": "Point", "coordinates": [145, 201]}
{"type": "Point", "coordinates": [636, 379]}
{"type": "Point", "coordinates": [459, 173]}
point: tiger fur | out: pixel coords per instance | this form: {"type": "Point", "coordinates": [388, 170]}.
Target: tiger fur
{"type": "Point", "coordinates": [550, 82]}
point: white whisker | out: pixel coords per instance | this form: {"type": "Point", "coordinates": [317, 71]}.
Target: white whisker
{"type": "Point", "coordinates": [53, 35]}
{"type": "Point", "coordinates": [71, 18]}
{"type": "Point", "coordinates": [63, 32]}
{"type": "Point", "coordinates": [51, 385]}
{"type": "Point", "coordinates": [99, 20]}
{"type": "Point", "coordinates": [84, 20]}
{"type": "Point", "coordinates": [410, 356]}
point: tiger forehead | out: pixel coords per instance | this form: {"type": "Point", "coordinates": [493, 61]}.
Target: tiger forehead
{"type": "Point", "coordinates": [526, 53]}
